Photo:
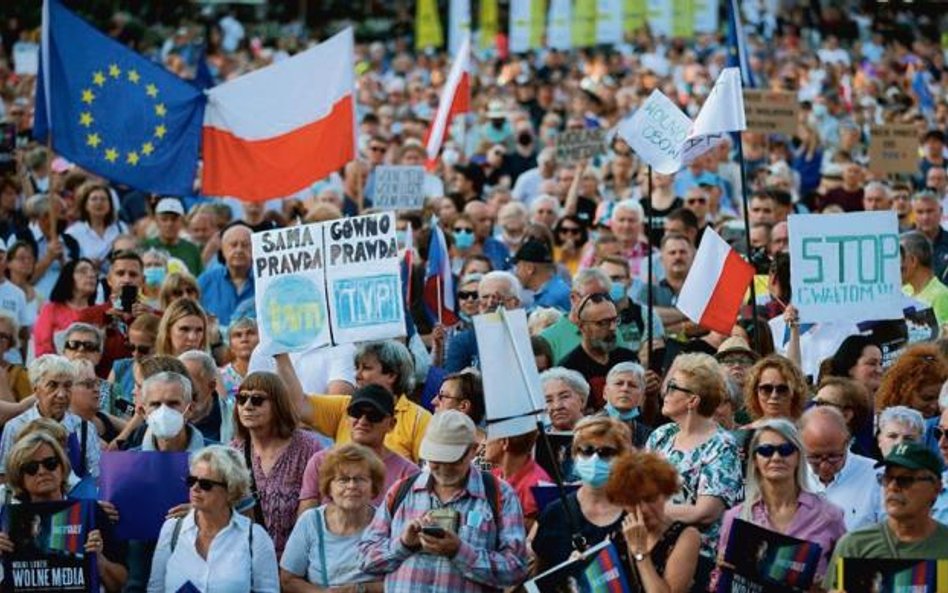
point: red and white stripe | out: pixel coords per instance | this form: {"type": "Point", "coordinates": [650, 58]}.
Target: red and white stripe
{"type": "Point", "coordinates": [455, 99]}
{"type": "Point", "coordinates": [716, 284]}
{"type": "Point", "coordinates": [275, 131]}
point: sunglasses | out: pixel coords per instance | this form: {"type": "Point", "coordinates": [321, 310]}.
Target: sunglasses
{"type": "Point", "coordinates": [82, 346]}
{"type": "Point", "coordinates": [255, 400]}
{"type": "Point", "coordinates": [203, 483]}
{"type": "Point", "coordinates": [467, 295]}
{"type": "Point", "coordinates": [696, 201]}
{"type": "Point", "coordinates": [596, 297]}
{"type": "Point", "coordinates": [567, 230]}
{"type": "Point", "coordinates": [903, 482]}
{"type": "Point", "coordinates": [185, 292]}
{"type": "Point", "coordinates": [373, 416]}
{"type": "Point", "coordinates": [768, 389]}
{"type": "Point", "coordinates": [142, 349]}
{"type": "Point", "coordinates": [785, 450]}
{"type": "Point", "coordinates": [602, 452]}
{"type": "Point", "coordinates": [31, 468]}
{"type": "Point", "coordinates": [377, 148]}
{"type": "Point", "coordinates": [939, 433]}
{"type": "Point", "coordinates": [672, 386]}
{"type": "Point", "coordinates": [463, 230]}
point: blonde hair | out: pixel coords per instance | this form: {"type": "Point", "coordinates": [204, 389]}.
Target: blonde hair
{"type": "Point", "coordinates": [23, 450]}
{"type": "Point", "coordinates": [175, 312]}
{"type": "Point", "coordinates": [229, 467]}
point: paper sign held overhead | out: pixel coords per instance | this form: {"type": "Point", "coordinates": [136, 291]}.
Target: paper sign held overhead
{"type": "Point", "coordinates": [575, 145]}
{"type": "Point", "coordinates": [656, 132]}
{"type": "Point", "coordinates": [893, 150]}
{"type": "Point", "coordinates": [399, 187]}
{"type": "Point", "coordinates": [771, 112]}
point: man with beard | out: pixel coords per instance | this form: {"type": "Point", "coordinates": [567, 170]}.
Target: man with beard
{"type": "Point", "coordinates": [598, 351]}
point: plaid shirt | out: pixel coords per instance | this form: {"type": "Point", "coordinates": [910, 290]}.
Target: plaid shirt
{"type": "Point", "coordinates": [484, 562]}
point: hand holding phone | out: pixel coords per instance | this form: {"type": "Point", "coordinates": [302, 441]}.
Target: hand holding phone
{"type": "Point", "coordinates": [433, 531]}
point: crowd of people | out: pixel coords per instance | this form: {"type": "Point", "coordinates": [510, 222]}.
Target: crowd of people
{"type": "Point", "coordinates": [128, 323]}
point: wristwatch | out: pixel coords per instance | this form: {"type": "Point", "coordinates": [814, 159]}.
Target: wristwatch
{"type": "Point", "coordinates": [638, 557]}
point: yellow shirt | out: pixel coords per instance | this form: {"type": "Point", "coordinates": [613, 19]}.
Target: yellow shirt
{"type": "Point", "coordinates": [329, 417]}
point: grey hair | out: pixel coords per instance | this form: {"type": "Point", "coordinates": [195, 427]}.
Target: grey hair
{"type": "Point", "coordinates": [159, 253]}
{"type": "Point", "coordinates": [632, 368]}
{"type": "Point", "coordinates": [546, 155]}
{"type": "Point", "coordinates": [586, 276]}
{"type": "Point", "coordinates": [878, 186]}
{"type": "Point", "coordinates": [828, 413]}
{"type": "Point", "coordinates": [81, 364]}
{"type": "Point", "coordinates": [917, 245]}
{"type": "Point", "coordinates": [903, 415]}
{"type": "Point", "coordinates": [394, 358]}
{"type": "Point", "coordinates": [168, 378]}
{"type": "Point", "coordinates": [7, 316]}
{"type": "Point", "coordinates": [50, 364]}
{"type": "Point", "coordinates": [540, 199]}
{"type": "Point", "coordinates": [36, 206]}
{"type": "Point", "coordinates": [573, 379]}
{"type": "Point", "coordinates": [230, 468]}
{"type": "Point", "coordinates": [632, 206]}
{"type": "Point", "coordinates": [80, 327]}
{"type": "Point", "coordinates": [788, 431]}
{"type": "Point", "coordinates": [208, 366]}
{"type": "Point", "coordinates": [513, 283]}
{"type": "Point", "coordinates": [242, 323]}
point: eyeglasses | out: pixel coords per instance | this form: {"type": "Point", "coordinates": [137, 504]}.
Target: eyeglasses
{"type": "Point", "coordinates": [255, 400]}
{"type": "Point", "coordinates": [939, 433]}
{"type": "Point", "coordinates": [203, 483]}
{"type": "Point", "coordinates": [31, 468]}
{"type": "Point", "coordinates": [377, 148]}
{"type": "Point", "coordinates": [443, 395]}
{"type": "Point", "coordinates": [819, 403]}
{"type": "Point", "coordinates": [607, 323]}
{"type": "Point", "coordinates": [143, 349]}
{"type": "Point", "coordinates": [602, 452]}
{"type": "Point", "coordinates": [467, 295]}
{"type": "Point", "coordinates": [831, 458]}
{"type": "Point", "coordinates": [785, 450]}
{"type": "Point", "coordinates": [354, 480]}
{"type": "Point", "coordinates": [672, 386]}
{"type": "Point", "coordinates": [82, 345]}
{"type": "Point", "coordinates": [768, 390]}
{"type": "Point", "coordinates": [903, 482]}
{"type": "Point", "coordinates": [373, 416]}
{"type": "Point", "coordinates": [696, 201]}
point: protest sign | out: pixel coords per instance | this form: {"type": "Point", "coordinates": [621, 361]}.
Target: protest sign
{"type": "Point", "coordinates": [881, 575]}
{"type": "Point", "coordinates": [765, 560]}
{"type": "Point", "coordinates": [399, 187]}
{"type": "Point", "coordinates": [559, 33]}
{"type": "Point", "coordinates": [893, 149]}
{"type": "Point", "coordinates": [598, 569]}
{"type": "Point", "coordinates": [512, 393]}
{"type": "Point", "coordinates": [840, 264]}
{"type": "Point", "coordinates": [608, 21]}
{"type": "Point", "coordinates": [363, 278]}
{"type": "Point", "coordinates": [656, 132]}
{"type": "Point", "coordinates": [894, 335]}
{"type": "Point", "coordinates": [288, 273]}
{"type": "Point", "coordinates": [771, 112]}
{"type": "Point", "coordinates": [143, 486]}
{"type": "Point", "coordinates": [575, 145]}
{"type": "Point", "coordinates": [49, 541]}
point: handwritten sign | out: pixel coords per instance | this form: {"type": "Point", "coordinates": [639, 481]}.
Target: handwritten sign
{"type": "Point", "coordinates": [656, 131]}
{"type": "Point", "coordinates": [575, 145]}
{"type": "Point", "coordinates": [893, 150]}
{"type": "Point", "coordinates": [399, 187]}
{"type": "Point", "coordinates": [840, 264]}
{"type": "Point", "coordinates": [363, 278]}
{"type": "Point", "coordinates": [771, 112]}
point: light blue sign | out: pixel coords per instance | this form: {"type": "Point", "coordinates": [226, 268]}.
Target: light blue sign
{"type": "Point", "coordinates": [294, 313]}
{"type": "Point", "coordinates": [365, 301]}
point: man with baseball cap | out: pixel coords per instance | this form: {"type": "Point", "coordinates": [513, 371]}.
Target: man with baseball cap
{"type": "Point", "coordinates": [169, 214]}
{"type": "Point", "coordinates": [440, 532]}
{"type": "Point", "coordinates": [910, 484]}
{"type": "Point", "coordinates": [534, 267]}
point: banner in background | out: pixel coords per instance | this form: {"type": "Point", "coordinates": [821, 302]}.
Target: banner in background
{"type": "Point", "coordinates": [683, 19]}
{"type": "Point", "coordinates": [520, 25]}
{"type": "Point", "coordinates": [584, 23]}
{"type": "Point", "coordinates": [537, 23]}
{"type": "Point", "coordinates": [609, 21]}
{"type": "Point", "coordinates": [893, 149]}
{"type": "Point", "coordinates": [656, 132]}
{"type": "Point", "coordinates": [559, 36]}
{"type": "Point", "coordinates": [399, 187]}
{"type": "Point", "coordinates": [428, 30]}
{"type": "Point", "coordinates": [659, 15]}
{"type": "Point", "coordinates": [706, 17]}
{"type": "Point", "coordinates": [634, 13]}
{"type": "Point", "coordinates": [771, 112]}
{"type": "Point", "coordinates": [459, 24]}
{"type": "Point", "coordinates": [575, 145]}
{"type": "Point", "coordinates": [488, 23]}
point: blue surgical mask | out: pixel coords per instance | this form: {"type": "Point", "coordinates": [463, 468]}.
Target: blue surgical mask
{"type": "Point", "coordinates": [400, 236]}
{"type": "Point", "coordinates": [154, 276]}
{"type": "Point", "coordinates": [592, 471]}
{"type": "Point", "coordinates": [464, 239]}
{"type": "Point", "coordinates": [624, 415]}
{"type": "Point", "coordinates": [617, 291]}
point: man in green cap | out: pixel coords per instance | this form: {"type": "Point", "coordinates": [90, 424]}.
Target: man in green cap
{"type": "Point", "coordinates": [910, 484]}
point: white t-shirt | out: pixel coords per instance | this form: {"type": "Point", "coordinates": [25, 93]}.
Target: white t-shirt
{"type": "Point", "coordinates": [316, 368]}
{"type": "Point", "coordinates": [304, 556]}
{"type": "Point", "coordinates": [13, 301]}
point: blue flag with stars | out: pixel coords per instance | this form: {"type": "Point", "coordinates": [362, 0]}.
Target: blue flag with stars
{"type": "Point", "coordinates": [113, 112]}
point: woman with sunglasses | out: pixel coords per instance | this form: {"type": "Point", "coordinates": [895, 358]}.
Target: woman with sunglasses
{"type": "Point", "coordinates": [914, 380]}
{"type": "Point", "coordinates": [74, 291]}
{"type": "Point", "coordinates": [774, 388]}
{"type": "Point", "coordinates": [214, 547]}
{"type": "Point", "coordinates": [569, 238]}
{"type": "Point", "coordinates": [704, 454]}
{"type": "Point", "coordinates": [596, 444]}
{"type": "Point", "coordinates": [323, 548]}
{"type": "Point", "coordinates": [38, 470]}
{"type": "Point", "coordinates": [777, 495]}
{"type": "Point", "coordinates": [276, 450]}
{"type": "Point", "coordinates": [467, 299]}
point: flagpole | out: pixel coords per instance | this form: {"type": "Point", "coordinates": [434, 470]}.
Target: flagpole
{"type": "Point", "coordinates": [440, 301]}
{"type": "Point", "coordinates": [651, 279]}
{"type": "Point", "coordinates": [747, 239]}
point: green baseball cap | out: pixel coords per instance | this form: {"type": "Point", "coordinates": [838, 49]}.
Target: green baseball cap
{"type": "Point", "coordinates": [913, 456]}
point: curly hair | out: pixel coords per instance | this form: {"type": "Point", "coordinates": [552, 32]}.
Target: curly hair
{"type": "Point", "coordinates": [791, 374]}
{"type": "Point", "coordinates": [917, 367]}
{"type": "Point", "coordinates": [348, 455]}
{"type": "Point", "coordinates": [640, 476]}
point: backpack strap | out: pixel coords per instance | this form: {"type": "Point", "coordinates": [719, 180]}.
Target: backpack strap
{"type": "Point", "coordinates": [493, 494]}
{"type": "Point", "coordinates": [398, 492]}
{"type": "Point", "coordinates": [176, 533]}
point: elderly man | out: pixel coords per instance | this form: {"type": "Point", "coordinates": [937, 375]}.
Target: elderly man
{"type": "Point", "coordinates": [167, 400]}
{"type": "Point", "coordinates": [545, 210]}
{"type": "Point", "coordinates": [534, 267]}
{"type": "Point", "coordinates": [624, 394]}
{"type": "Point", "coordinates": [484, 243]}
{"type": "Point", "coordinates": [918, 278]}
{"type": "Point", "coordinates": [927, 211]}
{"type": "Point", "coordinates": [598, 350]}
{"type": "Point", "coordinates": [677, 254]}
{"type": "Point", "coordinates": [224, 288]}
{"type": "Point", "coordinates": [844, 478]}
{"type": "Point", "coordinates": [210, 413]}
{"type": "Point", "coordinates": [910, 485]}
{"type": "Point", "coordinates": [496, 289]}
{"type": "Point", "coordinates": [626, 225]}
{"type": "Point", "coordinates": [876, 197]}
{"type": "Point", "coordinates": [779, 239]}
{"type": "Point", "coordinates": [527, 186]}
{"type": "Point", "coordinates": [512, 220]}
{"type": "Point", "coordinates": [461, 526]}
{"type": "Point", "coordinates": [170, 215]}
{"type": "Point", "coordinates": [52, 377]}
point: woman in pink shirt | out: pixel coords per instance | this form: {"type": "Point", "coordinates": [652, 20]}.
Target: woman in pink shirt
{"type": "Point", "coordinates": [74, 291]}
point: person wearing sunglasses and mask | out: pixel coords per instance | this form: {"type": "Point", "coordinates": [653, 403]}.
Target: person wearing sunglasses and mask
{"type": "Point", "coordinates": [777, 494]}
{"type": "Point", "coordinates": [214, 547]}
{"type": "Point", "coordinates": [268, 435]}
{"type": "Point", "coordinates": [38, 470]}
{"type": "Point", "coordinates": [597, 442]}
{"type": "Point", "coordinates": [371, 417]}
{"type": "Point", "coordinates": [467, 298]}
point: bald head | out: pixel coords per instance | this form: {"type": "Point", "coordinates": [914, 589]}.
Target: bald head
{"type": "Point", "coordinates": [235, 247]}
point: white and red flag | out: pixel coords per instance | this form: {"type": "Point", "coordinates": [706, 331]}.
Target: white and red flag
{"type": "Point", "coordinates": [439, 282]}
{"type": "Point", "coordinates": [275, 131]}
{"type": "Point", "coordinates": [715, 287]}
{"type": "Point", "coordinates": [455, 99]}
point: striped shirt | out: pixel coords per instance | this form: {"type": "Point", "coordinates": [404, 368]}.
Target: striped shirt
{"type": "Point", "coordinates": [484, 562]}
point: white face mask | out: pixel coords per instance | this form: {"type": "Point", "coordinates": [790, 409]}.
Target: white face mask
{"type": "Point", "coordinates": [165, 422]}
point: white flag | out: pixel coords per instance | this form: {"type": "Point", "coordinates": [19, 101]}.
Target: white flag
{"type": "Point", "coordinates": [656, 131]}
{"type": "Point", "coordinates": [722, 113]}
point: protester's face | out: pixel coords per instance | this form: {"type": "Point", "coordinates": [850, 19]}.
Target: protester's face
{"type": "Point", "coordinates": [351, 487]}
{"type": "Point", "coordinates": [868, 368]}
{"type": "Point", "coordinates": [697, 201]}
{"type": "Point", "coordinates": [563, 404]}
{"type": "Point", "coordinates": [779, 239]}
{"type": "Point", "coordinates": [894, 433]}
{"type": "Point", "coordinates": [676, 257]}
{"type": "Point", "coordinates": [208, 500]}
{"type": "Point", "coordinates": [825, 451]}
{"type": "Point", "coordinates": [598, 324]}
{"type": "Point", "coordinates": [617, 274]}
{"type": "Point", "coordinates": [85, 393]}
{"type": "Point", "coordinates": [467, 298]}
{"type": "Point", "coordinates": [168, 394]}
{"type": "Point", "coordinates": [22, 262]}
{"type": "Point", "coordinates": [624, 391]}
{"type": "Point", "coordinates": [852, 175]}
{"type": "Point", "coordinates": [626, 225]}
{"type": "Point", "coordinates": [927, 215]}
{"type": "Point", "coordinates": [653, 513]}
{"type": "Point", "coordinates": [203, 384]}
{"type": "Point", "coordinates": [202, 227]}
{"type": "Point", "coordinates": [449, 397]}
{"type": "Point", "coordinates": [761, 211]}
{"type": "Point", "coordinates": [736, 365]}
{"type": "Point", "coordinates": [758, 237]}
{"type": "Point", "coordinates": [493, 293]}
{"type": "Point", "coordinates": [925, 400]}
{"type": "Point", "coordinates": [481, 220]}
{"type": "Point", "coordinates": [85, 279]}
{"type": "Point", "coordinates": [910, 502]}
{"type": "Point", "coordinates": [368, 433]}
{"type": "Point", "coordinates": [242, 342]}
{"type": "Point", "coordinates": [254, 417]}
{"type": "Point", "coordinates": [187, 334]}
{"type": "Point", "coordinates": [53, 394]}
{"type": "Point", "coordinates": [125, 272]}
{"type": "Point", "coordinates": [98, 205]}
{"type": "Point", "coordinates": [235, 246]}
{"type": "Point", "coordinates": [876, 200]}
{"type": "Point", "coordinates": [775, 468]}
{"type": "Point", "coordinates": [774, 394]}
{"type": "Point", "coordinates": [937, 179]}
{"type": "Point", "coordinates": [82, 345]}
{"type": "Point", "coordinates": [169, 226]}
{"type": "Point", "coordinates": [45, 484]}
{"type": "Point", "coordinates": [369, 371]}
{"type": "Point", "coordinates": [452, 475]}
{"type": "Point", "coordinates": [377, 152]}
{"type": "Point", "coordinates": [141, 343]}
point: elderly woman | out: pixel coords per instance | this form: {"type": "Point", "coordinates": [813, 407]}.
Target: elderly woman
{"type": "Point", "coordinates": [597, 442]}
{"type": "Point", "coordinates": [85, 403]}
{"type": "Point", "coordinates": [323, 548]}
{"type": "Point", "coordinates": [276, 450]}
{"type": "Point", "coordinates": [778, 496]}
{"type": "Point", "coordinates": [242, 338]}
{"type": "Point", "coordinates": [704, 454]}
{"type": "Point", "coordinates": [898, 425]}
{"type": "Point", "coordinates": [82, 341]}
{"type": "Point", "coordinates": [155, 268]}
{"type": "Point", "coordinates": [178, 285]}
{"type": "Point", "coordinates": [852, 399]}
{"type": "Point", "coordinates": [566, 392]}
{"type": "Point", "coordinates": [74, 290]}
{"type": "Point", "coordinates": [663, 552]}
{"type": "Point", "coordinates": [624, 390]}
{"type": "Point", "coordinates": [243, 555]}
{"type": "Point", "coordinates": [38, 470]}
{"type": "Point", "coordinates": [914, 380]}
{"type": "Point", "coordinates": [183, 327]}
{"type": "Point", "coordinates": [467, 297]}
{"type": "Point", "coordinates": [17, 379]}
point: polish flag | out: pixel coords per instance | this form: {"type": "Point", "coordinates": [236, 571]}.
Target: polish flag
{"type": "Point", "coordinates": [715, 287]}
{"type": "Point", "coordinates": [439, 282]}
{"type": "Point", "coordinates": [455, 99]}
{"type": "Point", "coordinates": [276, 131]}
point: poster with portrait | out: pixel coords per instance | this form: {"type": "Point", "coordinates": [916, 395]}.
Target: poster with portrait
{"type": "Point", "coordinates": [892, 576]}
{"type": "Point", "coordinates": [767, 561]}
{"type": "Point", "coordinates": [598, 570]}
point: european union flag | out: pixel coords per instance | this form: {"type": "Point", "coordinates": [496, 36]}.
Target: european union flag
{"type": "Point", "coordinates": [112, 111]}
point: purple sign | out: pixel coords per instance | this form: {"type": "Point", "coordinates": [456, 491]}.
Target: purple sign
{"type": "Point", "coordinates": [143, 485]}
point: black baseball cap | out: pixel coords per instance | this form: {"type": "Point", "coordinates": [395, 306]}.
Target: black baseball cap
{"type": "Point", "coordinates": [534, 251]}
{"type": "Point", "coordinates": [374, 396]}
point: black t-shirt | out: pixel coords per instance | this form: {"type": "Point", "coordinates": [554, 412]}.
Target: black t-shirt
{"type": "Point", "coordinates": [553, 541]}
{"type": "Point", "coordinates": [594, 372]}
{"type": "Point", "coordinates": [657, 229]}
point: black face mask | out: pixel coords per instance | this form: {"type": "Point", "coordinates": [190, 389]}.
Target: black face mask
{"type": "Point", "coordinates": [525, 138]}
